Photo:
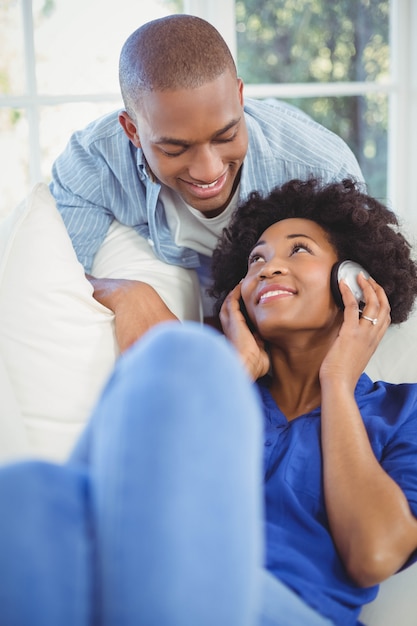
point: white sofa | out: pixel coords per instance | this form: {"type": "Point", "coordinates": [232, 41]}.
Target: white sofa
{"type": "Point", "coordinates": [57, 347]}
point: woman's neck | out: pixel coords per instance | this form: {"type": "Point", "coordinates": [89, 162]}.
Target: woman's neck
{"type": "Point", "coordinates": [295, 383]}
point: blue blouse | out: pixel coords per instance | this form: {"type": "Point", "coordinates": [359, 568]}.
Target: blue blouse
{"type": "Point", "coordinates": [300, 549]}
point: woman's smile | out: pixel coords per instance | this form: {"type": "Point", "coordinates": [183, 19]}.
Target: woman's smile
{"type": "Point", "coordinates": [274, 291]}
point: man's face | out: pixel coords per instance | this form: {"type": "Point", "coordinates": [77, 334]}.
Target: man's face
{"type": "Point", "coordinates": [195, 140]}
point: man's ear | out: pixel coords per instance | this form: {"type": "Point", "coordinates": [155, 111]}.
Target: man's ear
{"type": "Point", "coordinates": [240, 90]}
{"type": "Point", "coordinates": [129, 127]}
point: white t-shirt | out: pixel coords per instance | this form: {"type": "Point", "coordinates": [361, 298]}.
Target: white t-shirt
{"type": "Point", "coordinates": [192, 229]}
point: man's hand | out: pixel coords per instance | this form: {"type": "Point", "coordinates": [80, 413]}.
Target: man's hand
{"type": "Point", "coordinates": [136, 307]}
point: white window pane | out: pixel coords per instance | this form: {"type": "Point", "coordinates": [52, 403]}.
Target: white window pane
{"type": "Point", "coordinates": [78, 42]}
{"type": "Point", "coordinates": [57, 123]}
{"type": "Point", "coordinates": [12, 71]}
{"type": "Point", "coordinates": [14, 158]}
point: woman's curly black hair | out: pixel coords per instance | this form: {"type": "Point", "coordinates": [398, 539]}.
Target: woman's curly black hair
{"type": "Point", "coordinates": [359, 227]}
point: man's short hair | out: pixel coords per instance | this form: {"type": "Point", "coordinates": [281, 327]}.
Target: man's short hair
{"type": "Point", "coordinates": [175, 52]}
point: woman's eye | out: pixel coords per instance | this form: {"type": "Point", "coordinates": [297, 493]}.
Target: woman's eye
{"type": "Point", "coordinates": [255, 258]}
{"type": "Point", "coordinates": [300, 247]}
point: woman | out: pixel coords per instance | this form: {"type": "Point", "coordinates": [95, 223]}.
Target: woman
{"type": "Point", "coordinates": [340, 479]}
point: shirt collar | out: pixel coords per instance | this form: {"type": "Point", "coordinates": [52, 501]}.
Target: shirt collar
{"type": "Point", "coordinates": [273, 413]}
{"type": "Point", "coordinates": [145, 173]}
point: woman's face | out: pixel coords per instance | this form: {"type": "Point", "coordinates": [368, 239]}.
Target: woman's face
{"type": "Point", "coordinates": [287, 285]}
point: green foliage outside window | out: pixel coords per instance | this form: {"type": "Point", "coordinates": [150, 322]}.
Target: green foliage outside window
{"type": "Point", "coordinates": [305, 41]}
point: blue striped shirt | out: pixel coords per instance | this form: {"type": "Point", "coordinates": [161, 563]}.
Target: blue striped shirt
{"type": "Point", "coordinates": [101, 176]}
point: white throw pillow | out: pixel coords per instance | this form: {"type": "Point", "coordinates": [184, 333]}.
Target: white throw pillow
{"type": "Point", "coordinates": [57, 342]}
{"type": "Point", "coordinates": [13, 440]}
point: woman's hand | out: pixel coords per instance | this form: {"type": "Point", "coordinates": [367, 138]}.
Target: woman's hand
{"type": "Point", "coordinates": [358, 336]}
{"type": "Point", "coordinates": [249, 345]}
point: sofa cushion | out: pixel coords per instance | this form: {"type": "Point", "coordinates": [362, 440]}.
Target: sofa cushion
{"type": "Point", "coordinates": [56, 341]}
{"type": "Point", "coordinates": [394, 359]}
{"type": "Point", "coordinates": [14, 444]}
{"type": "Point", "coordinates": [396, 603]}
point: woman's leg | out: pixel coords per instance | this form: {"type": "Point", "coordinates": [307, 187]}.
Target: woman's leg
{"type": "Point", "coordinates": [174, 537]}
{"type": "Point", "coordinates": [174, 452]}
{"type": "Point", "coordinates": [280, 606]}
{"type": "Point", "coordinates": [45, 549]}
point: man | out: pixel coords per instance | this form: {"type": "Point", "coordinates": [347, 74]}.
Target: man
{"type": "Point", "coordinates": [177, 161]}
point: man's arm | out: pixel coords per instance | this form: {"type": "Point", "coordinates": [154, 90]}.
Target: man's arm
{"type": "Point", "coordinates": [136, 306]}
{"type": "Point", "coordinates": [95, 180]}
{"type": "Point", "coordinates": [77, 184]}
{"type": "Point", "coordinates": [91, 189]}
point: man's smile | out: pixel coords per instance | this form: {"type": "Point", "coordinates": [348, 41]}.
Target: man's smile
{"type": "Point", "coordinates": [207, 190]}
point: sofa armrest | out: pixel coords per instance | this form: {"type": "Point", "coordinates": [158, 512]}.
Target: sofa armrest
{"type": "Point", "coordinates": [396, 602]}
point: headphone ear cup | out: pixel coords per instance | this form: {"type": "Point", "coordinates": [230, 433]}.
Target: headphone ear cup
{"type": "Point", "coordinates": [334, 285]}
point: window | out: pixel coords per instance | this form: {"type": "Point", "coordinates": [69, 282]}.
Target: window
{"type": "Point", "coordinates": [318, 44]}
{"type": "Point", "coordinates": [367, 93]}
{"type": "Point", "coordinates": [58, 71]}
{"type": "Point", "coordinates": [349, 64]}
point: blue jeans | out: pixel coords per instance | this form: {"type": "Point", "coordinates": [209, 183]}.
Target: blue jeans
{"type": "Point", "coordinates": [156, 519]}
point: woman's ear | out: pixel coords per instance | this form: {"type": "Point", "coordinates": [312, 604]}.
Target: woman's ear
{"type": "Point", "coordinates": [129, 127]}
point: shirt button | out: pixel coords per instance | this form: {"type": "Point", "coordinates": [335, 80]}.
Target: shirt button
{"type": "Point", "coordinates": [268, 443]}
{"type": "Point", "coordinates": [150, 242]}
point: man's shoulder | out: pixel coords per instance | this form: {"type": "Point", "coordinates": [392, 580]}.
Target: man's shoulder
{"type": "Point", "coordinates": [99, 149]}
{"type": "Point", "coordinates": [105, 129]}
{"type": "Point", "coordinates": [265, 108]}
{"type": "Point", "coordinates": [274, 118]}
{"type": "Point", "coordinates": [283, 134]}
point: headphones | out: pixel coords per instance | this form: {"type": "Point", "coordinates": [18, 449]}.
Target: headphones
{"type": "Point", "coordinates": [347, 271]}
